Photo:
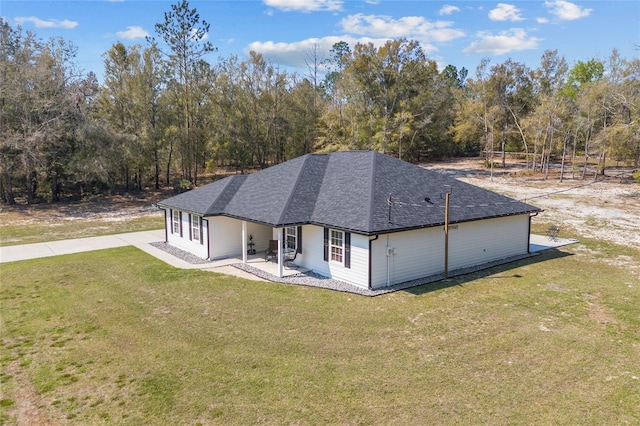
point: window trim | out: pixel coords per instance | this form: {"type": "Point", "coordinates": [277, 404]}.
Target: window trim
{"type": "Point", "coordinates": [291, 232]}
{"type": "Point", "coordinates": [195, 228]}
{"type": "Point", "coordinates": [175, 222]}
{"type": "Point", "coordinates": [346, 247]}
{"type": "Point", "coordinates": [336, 250]}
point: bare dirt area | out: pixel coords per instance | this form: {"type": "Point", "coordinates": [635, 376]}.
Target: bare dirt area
{"type": "Point", "coordinates": [606, 209]}
{"type": "Point", "coordinates": [115, 208]}
{"type": "Point", "coordinates": [24, 224]}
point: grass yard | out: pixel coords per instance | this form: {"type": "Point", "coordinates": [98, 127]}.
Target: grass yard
{"type": "Point", "coordinates": [118, 337]}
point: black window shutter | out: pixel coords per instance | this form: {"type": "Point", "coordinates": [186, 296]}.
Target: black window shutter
{"type": "Point", "coordinates": [201, 232]}
{"type": "Point", "coordinates": [347, 249]}
{"type": "Point", "coordinates": [171, 220]}
{"type": "Point", "coordinates": [299, 239]}
{"type": "Point", "coordinates": [190, 226]}
{"type": "Point", "coordinates": [326, 244]}
{"type": "Point", "coordinates": [180, 217]}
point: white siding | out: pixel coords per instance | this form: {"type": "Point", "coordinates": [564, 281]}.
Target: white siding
{"type": "Point", "coordinates": [414, 254]}
{"type": "Point", "coordinates": [225, 235]}
{"type": "Point", "coordinates": [261, 235]}
{"type": "Point", "coordinates": [420, 253]}
{"type": "Point", "coordinates": [185, 243]}
{"type": "Point", "coordinates": [313, 257]}
{"type": "Point", "coordinates": [483, 241]}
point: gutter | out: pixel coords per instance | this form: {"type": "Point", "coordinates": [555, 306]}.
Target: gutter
{"type": "Point", "coordinates": [370, 259]}
{"type": "Point", "coordinates": [534, 214]}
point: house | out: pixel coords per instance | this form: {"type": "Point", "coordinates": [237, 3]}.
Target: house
{"type": "Point", "coordinates": [357, 216]}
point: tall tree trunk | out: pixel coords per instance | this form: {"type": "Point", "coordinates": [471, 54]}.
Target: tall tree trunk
{"type": "Point", "coordinates": [586, 153]}
{"type": "Point", "coordinates": [156, 166]}
{"type": "Point", "coordinates": [31, 186]}
{"type": "Point", "coordinates": [564, 154]}
{"type": "Point", "coordinates": [168, 180]}
{"type": "Point", "coordinates": [55, 193]}
{"type": "Point", "coordinates": [7, 187]}
{"type": "Point", "coordinates": [573, 154]}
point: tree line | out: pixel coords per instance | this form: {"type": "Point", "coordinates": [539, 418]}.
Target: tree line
{"type": "Point", "coordinates": [164, 115]}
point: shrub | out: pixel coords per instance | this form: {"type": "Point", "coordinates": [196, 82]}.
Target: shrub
{"type": "Point", "coordinates": [181, 185]}
{"type": "Point", "coordinates": [636, 175]}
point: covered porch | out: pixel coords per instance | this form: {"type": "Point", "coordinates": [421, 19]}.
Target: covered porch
{"type": "Point", "coordinates": [271, 266]}
{"type": "Point", "coordinates": [274, 259]}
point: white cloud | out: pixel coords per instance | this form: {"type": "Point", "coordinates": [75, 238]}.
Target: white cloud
{"type": "Point", "coordinates": [194, 35]}
{"type": "Point", "coordinates": [293, 54]}
{"type": "Point", "coordinates": [567, 11]}
{"type": "Point", "coordinates": [412, 27]}
{"type": "Point", "coordinates": [51, 23]}
{"type": "Point", "coordinates": [132, 32]}
{"type": "Point", "coordinates": [542, 20]}
{"type": "Point", "coordinates": [505, 12]}
{"type": "Point", "coordinates": [513, 40]}
{"type": "Point", "coordinates": [306, 5]}
{"type": "Point", "coordinates": [447, 9]}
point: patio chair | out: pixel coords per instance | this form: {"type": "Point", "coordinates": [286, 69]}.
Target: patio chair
{"type": "Point", "coordinates": [289, 257]}
{"type": "Point", "coordinates": [272, 251]}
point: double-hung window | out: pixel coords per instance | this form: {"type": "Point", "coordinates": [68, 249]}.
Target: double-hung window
{"type": "Point", "coordinates": [291, 237]}
{"type": "Point", "coordinates": [195, 228]}
{"type": "Point", "coordinates": [336, 244]}
{"type": "Point", "coordinates": [176, 222]}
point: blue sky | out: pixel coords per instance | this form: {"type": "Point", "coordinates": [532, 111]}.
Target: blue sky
{"type": "Point", "coordinates": [460, 33]}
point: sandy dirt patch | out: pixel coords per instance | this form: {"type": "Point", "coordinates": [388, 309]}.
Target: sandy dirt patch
{"type": "Point", "coordinates": [607, 209]}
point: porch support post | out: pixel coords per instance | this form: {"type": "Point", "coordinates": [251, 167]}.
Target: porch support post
{"type": "Point", "coordinates": [280, 272]}
{"type": "Point", "coordinates": [244, 241]}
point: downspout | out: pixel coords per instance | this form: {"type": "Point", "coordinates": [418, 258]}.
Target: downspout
{"type": "Point", "coordinates": [387, 255]}
{"type": "Point", "coordinates": [208, 239]}
{"type": "Point", "coordinates": [166, 232]}
{"type": "Point", "coordinates": [529, 232]}
{"type": "Point", "coordinates": [370, 259]}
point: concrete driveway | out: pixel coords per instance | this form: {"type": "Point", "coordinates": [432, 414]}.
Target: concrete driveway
{"type": "Point", "coordinates": [78, 245]}
{"type": "Point", "coordinates": [139, 240]}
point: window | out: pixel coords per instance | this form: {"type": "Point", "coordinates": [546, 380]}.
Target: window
{"type": "Point", "coordinates": [176, 222]}
{"type": "Point", "coordinates": [336, 245]}
{"type": "Point", "coordinates": [291, 237]}
{"type": "Point", "coordinates": [195, 228]}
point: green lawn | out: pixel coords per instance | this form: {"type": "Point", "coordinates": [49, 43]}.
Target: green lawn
{"type": "Point", "coordinates": [117, 336]}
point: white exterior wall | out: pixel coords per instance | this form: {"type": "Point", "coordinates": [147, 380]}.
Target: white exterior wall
{"type": "Point", "coordinates": [184, 243]}
{"type": "Point", "coordinates": [225, 235]}
{"type": "Point", "coordinates": [312, 257]}
{"type": "Point", "coordinates": [475, 243]}
{"type": "Point", "coordinates": [414, 254]}
{"type": "Point", "coordinates": [261, 235]}
{"type": "Point", "coordinates": [420, 253]}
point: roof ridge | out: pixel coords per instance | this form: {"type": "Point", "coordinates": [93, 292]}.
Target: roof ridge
{"type": "Point", "coordinates": [223, 192]}
{"type": "Point", "coordinates": [369, 220]}
{"type": "Point", "coordinates": [284, 211]}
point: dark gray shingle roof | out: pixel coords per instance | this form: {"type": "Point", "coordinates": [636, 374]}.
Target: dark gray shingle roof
{"type": "Point", "coordinates": [347, 190]}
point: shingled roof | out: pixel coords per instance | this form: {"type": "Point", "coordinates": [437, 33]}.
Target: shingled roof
{"type": "Point", "coordinates": [358, 191]}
